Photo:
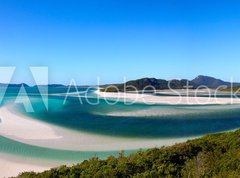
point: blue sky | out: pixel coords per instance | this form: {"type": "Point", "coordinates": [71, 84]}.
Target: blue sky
{"type": "Point", "coordinates": [115, 39]}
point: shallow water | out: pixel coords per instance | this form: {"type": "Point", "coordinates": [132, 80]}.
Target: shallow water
{"type": "Point", "coordinates": [119, 120]}
{"type": "Point", "coordinates": [65, 156]}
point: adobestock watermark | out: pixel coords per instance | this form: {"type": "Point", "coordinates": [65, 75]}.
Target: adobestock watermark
{"type": "Point", "coordinates": [128, 92]}
{"type": "Point", "coordinates": [40, 78]}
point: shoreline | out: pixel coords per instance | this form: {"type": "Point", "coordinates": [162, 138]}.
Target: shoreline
{"type": "Point", "coordinates": [23, 129]}
{"type": "Point", "coordinates": [12, 165]}
{"type": "Point", "coordinates": [33, 132]}
{"type": "Point", "coordinates": [150, 99]}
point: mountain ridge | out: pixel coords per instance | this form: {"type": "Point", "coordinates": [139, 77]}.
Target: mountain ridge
{"type": "Point", "coordinates": [160, 84]}
{"type": "Point", "coordinates": [140, 84]}
{"type": "Point", "coordinates": [212, 82]}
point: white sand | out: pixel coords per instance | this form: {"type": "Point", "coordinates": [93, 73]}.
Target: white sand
{"type": "Point", "coordinates": [27, 130]}
{"type": "Point", "coordinates": [15, 126]}
{"type": "Point", "coordinates": [11, 168]}
{"type": "Point", "coordinates": [171, 100]}
{"type": "Point", "coordinates": [11, 165]}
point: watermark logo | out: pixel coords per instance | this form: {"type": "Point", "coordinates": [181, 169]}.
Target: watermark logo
{"type": "Point", "coordinates": [40, 77]}
{"type": "Point", "coordinates": [128, 92]}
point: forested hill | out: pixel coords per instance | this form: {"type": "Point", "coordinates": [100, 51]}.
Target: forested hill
{"type": "Point", "coordinates": [149, 84]}
{"type": "Point", "coordinates": [159, 84]}
{"type": "Point", "coordinates": [216, 155]}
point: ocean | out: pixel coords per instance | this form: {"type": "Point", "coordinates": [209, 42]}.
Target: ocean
{"type": "Point", "coordinates": [85, 112]}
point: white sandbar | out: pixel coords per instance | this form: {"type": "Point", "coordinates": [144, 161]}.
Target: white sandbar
{"type": "Point", "coordinates": [171, 100]}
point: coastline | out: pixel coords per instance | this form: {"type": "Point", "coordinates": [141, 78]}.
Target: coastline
{"type": "Point", "coordinates": [34, 132]}
{"type": "Point", "coordinates": [12, 165]}
{"type": "Point", "coordinates": [25, 129]}
{"type": "Point", "coordinates": [133, 97]}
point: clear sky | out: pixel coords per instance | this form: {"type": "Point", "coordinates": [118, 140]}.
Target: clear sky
{"type": "Point", "coordinates": [112, 39]}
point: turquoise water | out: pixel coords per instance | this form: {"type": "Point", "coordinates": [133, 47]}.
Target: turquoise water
{"type": "Point", "coordinates": [119, 120]}
{"type": "Point", "coordinates": [141, 121]}
{"type": "Point", "coordinates": [16, 148]}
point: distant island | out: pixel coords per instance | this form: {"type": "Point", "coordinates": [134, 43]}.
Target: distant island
{"type": "Point", "coordinates": [140, 84]}
{"type": "Point", "coordinates": [161, 84]}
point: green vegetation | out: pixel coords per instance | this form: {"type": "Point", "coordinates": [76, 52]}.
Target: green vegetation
{"type": "Point", "coordinates": [160, 84]}
{"type": "Point", "coordinates": [148, 84]}
{"type": "Point", "coordinates": [216, 155]}
{"type": "Point", "coordinates": [232, 89]}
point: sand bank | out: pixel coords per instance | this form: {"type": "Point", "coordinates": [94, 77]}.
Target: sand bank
{"type": "Point", "coordinates": [171, 100]}
{"type": "Point", "coordinates": [34, 132]}
{"type": "Point", "coordinates": [13, 165]}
